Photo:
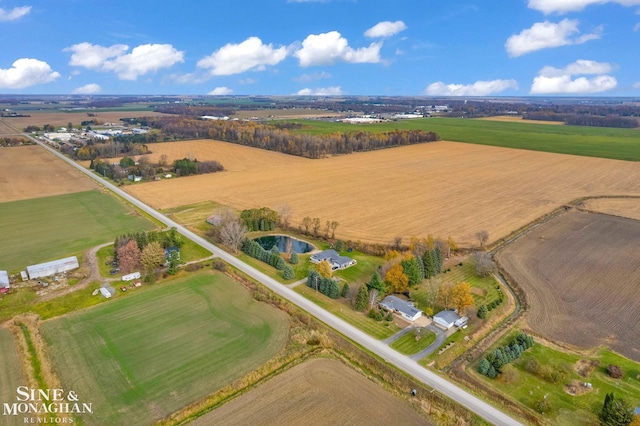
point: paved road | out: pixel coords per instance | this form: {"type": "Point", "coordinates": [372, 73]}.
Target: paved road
{"type": "Point", "coordinates": [378, 347]}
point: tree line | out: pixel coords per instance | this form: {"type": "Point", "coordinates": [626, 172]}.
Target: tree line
{"type": "Point", "coordinates": [5, 141]}
{"type": "Point", "coordinates": [584, 119]}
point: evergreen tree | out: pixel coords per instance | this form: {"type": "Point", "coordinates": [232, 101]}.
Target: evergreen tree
{"type": "Point", "coordinates": [437, 260]}
{"type": "Point", "coordinates": [345, 290]}
{"type": "Point", "coordinates": [333, 289]}
{"type": "Point", "coordinates": [411, 270]}
{"type": "Point", "coordinates": [293, 259]}
{"type": "Point", "coordinates": [420, 263]}
{"type": "Point", "coordinates": [377, 283]}
{"type": "Point", "coordinates": [287, 272]}
{"type": "Point", "coordinates": [279, 264]}
{"type": "Point", "coordinates": [482, 312]}
{"type": "Point", "coordinates": [615, 412]}
{"type": "Point", "coordinates": [275, 250]}
{"type": "Point", "coordinates": [429, 267]}
{"type": "Point", "coordinates": [313, 279]}
{"type": "Point", "coordinates": [362, 299]}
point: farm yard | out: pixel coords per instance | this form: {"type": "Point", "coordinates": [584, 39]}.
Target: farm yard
{"type": "Point", "coordinates": [31, 172]}
{"type": "Point", "coordinates": [10, 374]}
{"type": "Point", "coordinates": [145, 356]}
{"type": "Point", "coordinates": [317, 389]}
{"type": "Point", "coordinates": [64, 225]}
{"type": "Point", "coordinates": [580, 272]}
{"type": "Point", "coordinates": [442, 188]}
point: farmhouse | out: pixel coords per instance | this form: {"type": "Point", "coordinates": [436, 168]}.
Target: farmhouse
{"type": "Point", "coordinates": [335, 260]}
{"type": "Point", "coordinates": [404, 308]}
{"type": "Point", "coordinates": [446, 319]}
{"type": "Point", "coordinates": [4, 281]}
{"type": "Point", "coordinates": [51, 268]}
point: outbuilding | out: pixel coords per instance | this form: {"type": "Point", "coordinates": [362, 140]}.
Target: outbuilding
{"type": "Point", "coordinates": [51, 268]}
{"type": "Point", "coordinates": [4, 281]}
{"type": "Point", "coordinates": [446, 319]}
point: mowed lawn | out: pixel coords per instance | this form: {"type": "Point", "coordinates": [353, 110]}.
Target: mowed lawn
{"type": "Point", "coordinates": [619, 144]}
{"type": "Point", "coordinates": [143, 357]}
{"type": "Point", "coordinates": [10, 374]}
{"type": "Point", "coordinates": [43, 229]}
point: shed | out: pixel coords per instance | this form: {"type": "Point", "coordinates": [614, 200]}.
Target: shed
{"type": "Point", "coordinates": [51, 268]}
{"type": "Point", "coordinates": [4, 279]}
{"type": "Point", "coordinates": [106, 292]}
{"type": "Point", "coordinates": [404, 308]}
{"type": "Point", "coordinates": [446, 319]}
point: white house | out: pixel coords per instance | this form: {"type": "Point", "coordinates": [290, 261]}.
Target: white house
{"type": "Point", "coordinates": [404, 308]}
{"type": "Point", "coordinates": [335, 260]}
{"type": "Point", "coordinates": [446, 319]}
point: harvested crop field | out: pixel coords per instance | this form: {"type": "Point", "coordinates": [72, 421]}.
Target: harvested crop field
{"type": "Point", "coordinates": [442, 188]}
{"type": "Point", "coordinates": [624, 207]}
{"type": "Point", "coordinates": [580, 272]}
{"type": "Point", "coordinates": [10, 374]}
{"type": "Point", "coordinates": [142, 357]}
{"type": "Point", "coordinates": [317, 392]}
{"type": "Point", "coordinates": [518, 119]}
{"type": "Point", "coordinates": [32, 172]}
{"type": "Point", "coordinates": [62, 118]}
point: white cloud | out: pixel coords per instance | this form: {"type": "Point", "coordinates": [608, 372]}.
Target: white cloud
{"type": "Point", "coordinates": [313, 76]}
{"type": "Point", "coordinates": [331, 47]}
{"type": "Point", "coordinates": [26, 72]}
{"type": "Point", "coordinates": [323, 91]}
{"type": "Point", "coordinates": [544, 35]}
{"type": "Point", "coordinates": [88, 89]}
{"type": "Point", "coordinates": [237, 58]}
{"type": "Point", "coordinates": [564, 6]}
{"type": "Point", "coordinates": [385, 29]}
{"type": "Point", "coordinates": [479, 88]}
{"type": "Point", "coordinates": [14, 14]}
{"type": "Point", "coordinates": [561, 81]}
{"type": "Point", "coordinates": [636, 85]}
{"type": "Point", "coordinates": [636, 27]}
{"type": "Point", "coordinates": [247, 81]}
{"type": "Point", "coordinates": [220, 91]}
{"type": "Point", "coordinates": [141, 60]}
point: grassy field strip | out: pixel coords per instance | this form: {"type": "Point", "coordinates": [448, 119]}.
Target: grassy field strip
{"type": "Point", "coordinates": [64, 225]}
{"type": "Point", "coordinates": [620, 144]}
{"type": "Point", "coordinates": [147, 355]}
{"type": "Point", "coordinates": [408, 345]}
{"type": "Point", "coordinates": [10, 374]}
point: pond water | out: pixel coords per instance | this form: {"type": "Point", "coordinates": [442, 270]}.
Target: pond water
{"type": "Point", "coordinates": [284, 243]}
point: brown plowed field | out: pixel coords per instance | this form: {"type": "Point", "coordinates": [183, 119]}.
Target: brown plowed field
{"type": "Point", "coordinates": [62, 118]}
{"type": "Point", "coordinates": [31, 172]}
{"type": "Point", "coordinates": [581, 273]}
{"type": "Point", "coordinates": [625, 207]}
{"type": "Point", "coordinates": [318, 392]}
{"type": "Point", "coordinates": [442, 188]}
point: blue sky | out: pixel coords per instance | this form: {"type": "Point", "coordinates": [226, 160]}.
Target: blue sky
{"type": "Point", "coordinates": [321, 47]}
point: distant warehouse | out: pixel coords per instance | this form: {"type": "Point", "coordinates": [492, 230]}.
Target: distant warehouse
{"type": "Point", "coordinates": [51, 268]}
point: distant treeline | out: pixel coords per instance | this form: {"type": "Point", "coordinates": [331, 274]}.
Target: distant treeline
{"type": "Point", "coordinates": [270, 137]}
{"type": "Point", "coordinates": [4, 141]}
{"type": "Point", "coordinates": [584, 120]}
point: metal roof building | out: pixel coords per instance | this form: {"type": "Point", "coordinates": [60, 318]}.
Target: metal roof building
{"type": "Point", "coordinates": [51, 268]}
{"type": "Point", "coordinates": [4, 279]}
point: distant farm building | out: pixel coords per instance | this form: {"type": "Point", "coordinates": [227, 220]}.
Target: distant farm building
{"type": "Point", "coordinates": [404, 308]}
{"type": "Point", "coordinates": [335, 260]}
{"type": "Point", "coordinates": [446, 319]}
{"type": "Point", "coordinates": [4, 282]}
{"type": "Point", "coordinates": [51, 268]}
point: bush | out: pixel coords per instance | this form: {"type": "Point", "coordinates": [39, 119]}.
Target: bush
{"type": "Point", "coordinates": [339, 246]}
{"type": "Point", "coordinates": [614, 371]}
{"type": "Point", "coordinates": [482, 312]}
{"type": "Point", "coordinates": [220, 265]}
{"type": "Point", "coordinates": [542, 405]}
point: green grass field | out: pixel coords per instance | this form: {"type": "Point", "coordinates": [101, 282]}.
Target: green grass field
{"type": "Point", "coordinates": [566, 408]}
{"type": "Point", "coordinates": [144, 356]}
{"type": "Point", "coordinates": [10, 375]}
{"type": "Point", "coordinates": [620, 144]}
{"type": "Point", "coordinates": [43, 229]}
{"type": "Point", "coordinates": [408, 345]}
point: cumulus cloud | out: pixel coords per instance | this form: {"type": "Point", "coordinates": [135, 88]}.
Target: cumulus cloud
{"type": "Point", "coordinates": [323, 91]}
{"type": "Point", "coordinates": [14, 14]}
{"type": "Point", "coordinates": [564, 6]}
{"type": "Point", "coordinates": [220, 91]}
{"type": "Point", "coordinates": [88, 89]}
{"type": "Point", "coordinates": [544, 35]}
{"type": "Point", "coordinates": [141, 60]}
{"type": "Point", "coordinates": [26, 72]}
{"type": "Point", "coordinates": [331, 47]}
{"type": "Point", "coordinates": [551, 80]}
{"type": "Point", "coordinates": [479, 88]}
{"type": "Point", "coordinates": [251, 54]}
{"type": "Point", "coordinates": [385, 29]}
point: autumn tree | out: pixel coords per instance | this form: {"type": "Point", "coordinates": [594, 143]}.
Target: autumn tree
{"type": "Point", "coordinates": [284, 213]}
{"type": "Point", "coordinates": [444, 295]}
{"type": "Point", "coordinates": [233, 233]}
{"type": "Point", "coordinates": [324, 269]}
{"type": "Point", "coordinates": [327, 228]}
{"type": "Point", "coordinates": [315, 224]}
{"type": "Point", "coordinates": [334, 226]}
{"type": "Point", "coordinates": [482, 237]}
{"type": "Point", "coordinates": [395, 278]}
{"type": "Point", "coordinates": [362, 299]}
{"type": "Point", "coordinates": [461, 297]}
{"type": "Point", "coordinates": [129, 257]}
{"type": "Point", "coordinates": [306, 223]}
{"type": "Point", "coordinates": [151, 257]}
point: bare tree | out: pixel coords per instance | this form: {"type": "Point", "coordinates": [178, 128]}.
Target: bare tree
{"type": "Point", "coordinates": [306, 222]}
{"type": "Point", "coordinates": [373, 298]}
{"type": "Point", "coordinates": [334, 226]}
{"type": "Point", "coordinates": [397, 241]}
{"type": "Point", "coordinates": [284, 213]}
{"type": "Point", "coordinates": [233, 233]}
{"type": "Point", "coordinates": [316, 226]}
{"type": "Point", "coordinates": [482, 237]}
{"type": "Point", "coordinates": [484, 265]}
{"type": "Point", "coordinates": [164, 160]}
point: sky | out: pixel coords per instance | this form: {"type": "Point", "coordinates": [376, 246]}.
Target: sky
{"type": "Point", "coordinates": [321, 47]}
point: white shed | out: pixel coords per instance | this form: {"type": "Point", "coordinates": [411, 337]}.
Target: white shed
{"type": "Point", "coordinates": [4, 279]}
{"type": "Point", "coordinates": [51, 268]}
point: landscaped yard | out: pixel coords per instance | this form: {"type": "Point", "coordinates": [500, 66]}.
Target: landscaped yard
{"type": "Point", "coordinates": [408, 345]}
{"type": "Point", "coordinates": [146, 355]}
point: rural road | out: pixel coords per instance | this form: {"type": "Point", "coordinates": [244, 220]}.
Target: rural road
{"type": "Point", "coordinates": [378, 347]}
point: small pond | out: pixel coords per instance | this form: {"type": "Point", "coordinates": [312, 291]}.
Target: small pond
{"type": "Point", "coordinates": [284, 243]}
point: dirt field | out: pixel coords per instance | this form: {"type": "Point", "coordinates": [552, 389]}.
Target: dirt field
{"type": "Point", "coordinates": [443, 188]}
{"type": "Point", "coordinates": [62, 118]}
{"type": "Point", "coordinates": [285, 114]}
{"type": "Point", "coordinates": [318, 392]}
{"type": "Point", "coordinates": [32, 172]}
{"type": "Point", "coordinates": [625, 207]}
{"type": "Point", "coordinates": [518, 119]}
{"type": "Point", "coordinates": [581, 273]}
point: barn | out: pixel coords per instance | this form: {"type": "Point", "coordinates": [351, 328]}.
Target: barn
{"type": "Point", "coordinates": [51, 268]}
{"type": "Point", "coordinates": [4, 281]}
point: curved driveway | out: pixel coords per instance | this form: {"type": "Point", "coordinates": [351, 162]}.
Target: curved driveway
{"type": "Point", "coordinates": [378, 347]}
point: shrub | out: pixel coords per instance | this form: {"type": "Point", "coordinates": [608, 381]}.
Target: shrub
{"type": "Point", "coordinates": [614, 371]}
{"type": "Point", "coordinates": [542, 405]}
{"type": "Point", "coordinates": [220, 265]}
{"type": "Point", "coordinates": [482, 312]}
{"type": "Point", "coordinates": [339, 246]}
